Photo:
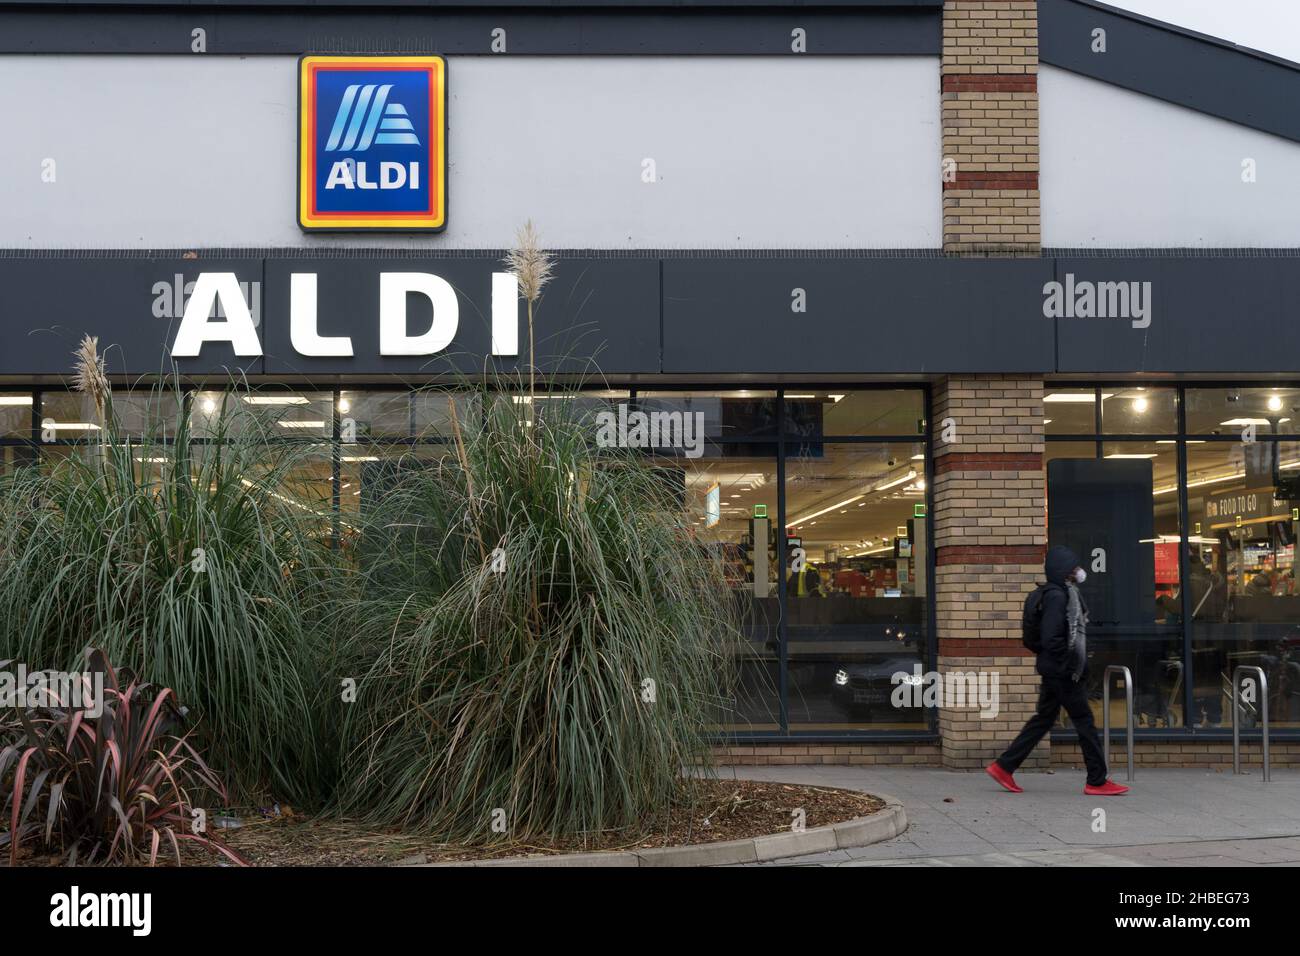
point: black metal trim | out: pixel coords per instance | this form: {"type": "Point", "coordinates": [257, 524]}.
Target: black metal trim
{"type": "Point", "coordinates": [1182, 67]}
{"type": "Point", "coordinates": [480, 4]}
{"type": "Point", "coordinates": [532, 28]}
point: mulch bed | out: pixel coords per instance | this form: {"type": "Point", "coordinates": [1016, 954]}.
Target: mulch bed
{"type": "Point", "coordinates": [725, 810]}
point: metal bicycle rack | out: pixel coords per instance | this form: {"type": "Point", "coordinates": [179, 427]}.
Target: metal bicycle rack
{"type": "Point", "coordinates": [1263, 713]}
{"type": "Point", "coordinates": [1125, 673]}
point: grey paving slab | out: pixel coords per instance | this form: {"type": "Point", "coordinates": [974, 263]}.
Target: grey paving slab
{"type": "Point", "coordinates": [1171, 817]}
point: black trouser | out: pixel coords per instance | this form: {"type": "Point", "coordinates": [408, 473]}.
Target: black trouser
{"type": "Point", "coordinates": [1058, 692]}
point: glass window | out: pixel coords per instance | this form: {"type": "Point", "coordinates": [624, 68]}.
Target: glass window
{"type": "Point", "coordinates": [855, 592]}
{"type": "Point", "coordinates": [368, 471]}
{"type": "Point", "coordinates": [732, 505]}
{"type": "Point", "coordinates": [301, 477]}
{"type": "Point", "coordinates": [856, 585]}
{"type": "Point", "coordinates": [724, 415]}
{"type": "Point", "coordinates": [1229, 411]}
{"type": "Point", "coordinates": [145, 412]}
{"type": "Point", "coordinates": [15, 456]}
{"type": "Point", "coordinates": [374, 415]}
{"type": "Point", "coordinates": [1139, 411]}
{"type": "Point", "coordinates": [582, 407]}
{"type": "Point", "coordinates": [295, 414]}
{"type": "Point", "coordinates": [813, 413]}
{"type": "Point", "coordinates": [1071, 411]}
{"type": "Point", "coordinates": [1241, 500]}
{"type": "Point", "coordinates": [54, 457]}
{"type": "Point", "coordinates": [432, 410]}
{"type": "Point", "coordinates": [272, 414]}
{"type": "Point", "coordinates": [15, 415]}
{"type": "Point", "coordinates": [68, 416]}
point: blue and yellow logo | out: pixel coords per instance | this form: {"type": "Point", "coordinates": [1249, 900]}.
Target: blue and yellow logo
{"type": "Point", "coordinates": [372, 144]}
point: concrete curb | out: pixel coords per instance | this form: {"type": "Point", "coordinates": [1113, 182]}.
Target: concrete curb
{"type": "Point", "coordinates": [884, 824]}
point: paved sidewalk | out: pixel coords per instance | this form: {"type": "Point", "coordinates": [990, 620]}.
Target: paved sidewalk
{"type": "Point", "coordinates": [1170, 818]}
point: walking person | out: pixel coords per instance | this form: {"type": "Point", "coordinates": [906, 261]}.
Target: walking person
{"type": "Point", "coordinates": [1055, 627]}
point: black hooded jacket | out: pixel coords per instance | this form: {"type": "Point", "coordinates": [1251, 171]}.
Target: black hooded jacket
{"type": "Point", "coordinates": [1054, 658]}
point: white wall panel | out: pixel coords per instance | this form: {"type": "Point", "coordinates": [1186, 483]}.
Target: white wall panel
{"type": "Point", "coordinates": [1123, 169]}
{"type": "Point", "coordinates": [173, 151]}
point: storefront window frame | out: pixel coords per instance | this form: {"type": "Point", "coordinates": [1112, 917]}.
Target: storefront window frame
{"type": "Point", "coordinates": [1181, 437]}
{"type": "Point", "coordinates": [783, 445]}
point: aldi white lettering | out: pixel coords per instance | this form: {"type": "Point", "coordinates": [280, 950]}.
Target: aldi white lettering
{"type": "Point", "coordinates": [391, 175]}
{"type": "Point", "coordinates": [170, 298]}
{"type": "Point", "coordinates": [393, 290]}
{"type": "Point", "coordinates": [212, 289]}
{"type": "Point", "coordinates": [302, 321]}
{"type": "Point", "coordinates": [219, 294]}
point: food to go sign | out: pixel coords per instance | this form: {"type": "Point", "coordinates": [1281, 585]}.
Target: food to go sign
{"type": "Point", "coordinates": [372, 143]}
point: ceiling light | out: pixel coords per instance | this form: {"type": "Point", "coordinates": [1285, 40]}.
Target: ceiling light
{"type": "Point", "coordinates": [1133, 455]}
{"type": "Point", "coordinates": [70, 426]}
{"type": "Point", "coordinates": [817, 514]}
{"type": "Point", "coordinates": [306, 424]}
{"type": "Point", "coordinates": [15, 399]}
{"type": "Point", "coordinates": [1075, 398]}
{"type": "Point", "coordinates": [911, 473]}
{"type": "Point", "coordinates": [1140, 405]}
{"type": "Point", "coordinates": [1274, 403]}
{"type": "Point", "coordinates": [275, 400]}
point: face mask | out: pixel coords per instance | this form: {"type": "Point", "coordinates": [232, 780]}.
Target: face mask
{"type": "Point", "coordinates": [1080, 575]}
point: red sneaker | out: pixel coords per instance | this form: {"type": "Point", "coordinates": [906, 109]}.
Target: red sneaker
{"type": "Point", "coordinates": [1007, 781]}
{"type": "Point", "coordinates": [1107, 789]}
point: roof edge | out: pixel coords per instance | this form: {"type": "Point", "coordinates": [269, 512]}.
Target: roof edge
{"type": "Point", "coordinates": [1204, 73]}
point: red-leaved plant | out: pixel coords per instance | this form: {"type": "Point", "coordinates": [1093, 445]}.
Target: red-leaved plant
{"type": "Point", "coordinates": [107, 789]}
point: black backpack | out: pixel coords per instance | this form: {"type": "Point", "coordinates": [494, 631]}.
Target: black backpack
{"type": "Point", "coordinates": [1031, 622]}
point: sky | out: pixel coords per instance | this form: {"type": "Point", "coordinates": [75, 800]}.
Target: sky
{"type": "Point", "coordinates": [1272, 26]}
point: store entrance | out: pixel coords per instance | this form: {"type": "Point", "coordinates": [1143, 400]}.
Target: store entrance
{"type": "Point", "coordinates": [1101, 509]}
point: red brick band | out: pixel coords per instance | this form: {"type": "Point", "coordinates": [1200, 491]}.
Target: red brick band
{"type": "Point", "coordinates": [989, 554]}
{"type": "Point", "coordinates": [986, 83]}
{"type": "Point", "coordinates": [986, 179]}
{"type": "Point", "coordinates": [987, 461]}
{"type": "Point", "coordinates": [976, 647]}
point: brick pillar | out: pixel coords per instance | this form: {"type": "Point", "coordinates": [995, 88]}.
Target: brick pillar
{"type": "Point", "coordinates": [989, 80]}
{"type": "Point", "coordinates": [989, 533]}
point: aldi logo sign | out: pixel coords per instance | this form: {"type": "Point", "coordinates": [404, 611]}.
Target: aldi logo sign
{"type": "Point", "coordinates": [372, 143]}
